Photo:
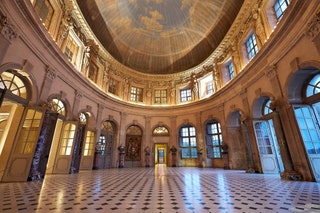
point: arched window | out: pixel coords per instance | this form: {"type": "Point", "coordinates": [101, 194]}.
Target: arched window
{"type": "Point", "coordinates": [160, 131]}
{"type": "Point", "coordinates": [213, 139]}
{"type": "Point", "coordinates": [58, 106]}
{"type": "Point", "coordinates": [188, 142]}
{"type": "Point", "coordinates": [83, 118]}
{"type": "Point", "coordinates": [313, 86]}
{"type": "Point", "coordinates": [266, 108]}
{"type": "Point", "coordinates": [15, 85]}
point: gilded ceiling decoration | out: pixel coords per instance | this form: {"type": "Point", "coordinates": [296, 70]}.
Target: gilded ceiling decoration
{"type": "Point", "coordinates": [160, 36]}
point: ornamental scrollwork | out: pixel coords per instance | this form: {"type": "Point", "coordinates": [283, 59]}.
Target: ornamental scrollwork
{"type": "Point", "coordinates": [6, 29]}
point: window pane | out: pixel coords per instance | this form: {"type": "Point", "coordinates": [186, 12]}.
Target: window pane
{"type": "Point", "coordinates": [214, 139]}
{"type": "Point", "coordinates": [193, 141]}
{"type": "Point", "coordinates": [194, 153]}
{"type": "Point", "coordinates": [185, 152]}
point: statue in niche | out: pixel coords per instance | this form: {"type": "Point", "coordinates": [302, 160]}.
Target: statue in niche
{"type": "Point", "coordinates": [147, 153]}
{"type": "Point", "coordinates": [173, 151]}
{"type": "Point", "coordinates": [86, 60]}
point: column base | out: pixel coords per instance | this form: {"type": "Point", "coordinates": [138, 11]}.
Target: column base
{"type": "Point", "coordinates": [250, 170]}
{"type": "Point", "coordinates": [291, 175]}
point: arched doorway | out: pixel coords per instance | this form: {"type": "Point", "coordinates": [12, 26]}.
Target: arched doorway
{"type": "Point", "coordinates": [44, 158]}
{"type": "Point", "coordinates": [18, 137]}
{"type": "Point", "coordinates": [266, 137]}
{"type": "Point", "coordinates": [63, 139]}
{"type": "Point", "coordinates": [305, 99]}
{"type": "Point", "coordinates": [105, 146]}
{"type": "Point", "coordinates": [133, 146]}
{"type": "Point", "coordinates": [160, 135]}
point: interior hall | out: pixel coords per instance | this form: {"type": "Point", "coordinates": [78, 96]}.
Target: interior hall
{"type": "Point", "coordinates": [160, 106]}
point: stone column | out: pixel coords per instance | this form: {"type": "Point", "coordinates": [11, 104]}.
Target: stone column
{"type": "Point", "coordinates": [280, 118]}
{"type": "Point", "coordinates": [7, 35]}
{"type": "Point", "coordinates": [76, 103]}
{"type": "Point", "coordinates": [98, 164]}
{"type": "Point", "coordinates": [173, 151]}
{"type": "Point", "coordinates": [173, 142]}
{"type": "Point", "coordinates": [148, 142]}
{"type": "Point", "coordinates": [200, 142]}
{"type": "Point", "coordinates": [47, 83]}
{"type": "Point", "coordinates": [121, 150]}
{"type": "Point", "coordinates": [122, 133]}
{"type": "Point", "coordinates": [247, 132]}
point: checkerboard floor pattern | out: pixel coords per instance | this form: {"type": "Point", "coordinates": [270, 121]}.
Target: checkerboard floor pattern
{"type": "Point", "coordinates": [161, 189]}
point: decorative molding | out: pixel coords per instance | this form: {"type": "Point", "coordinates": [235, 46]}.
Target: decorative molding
{"type": "Point", "coordinates": [313, 28]}
{"type": "Point", "coordinates": [272, 72]}
{"type": "Point", "coordinates": [7, 29]}
{"type": "Point", "coordinates": [221, 107]}
{"type": "Point", "coordinates": [78, 94]}
{"type": "Point", "coordinates": [51, 73]}
{"type": "Point", "coordinates": [89, 108]}
{"type": "Point", "coordinates": [233, 108]}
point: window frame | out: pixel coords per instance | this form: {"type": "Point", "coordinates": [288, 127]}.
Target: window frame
{"type": "Point", "coordinates": [77, 56]}
{"type": "Point", "coordinates": [187, 96]}
{"type": "Point", "coordinates": [279, 6]}
{"type": "Point", "coordinates": [214, 151]}
{"type": "Point", "coordinates": [230, 68]}
{"type": "Point", "coordinates": [251, 46]}
{"type": "Point", "coordinates": [136, 94]}
{"type": "Point", "coordinates": [161, 98]}
{"type": "Point", "coordinates": [188, 142]}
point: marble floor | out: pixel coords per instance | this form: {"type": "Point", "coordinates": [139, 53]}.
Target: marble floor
{"type": "Point", "coordinates": [160, 189]}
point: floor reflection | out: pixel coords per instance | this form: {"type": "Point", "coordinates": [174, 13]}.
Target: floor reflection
{"type": "Point", "coordinates": [160, 189]}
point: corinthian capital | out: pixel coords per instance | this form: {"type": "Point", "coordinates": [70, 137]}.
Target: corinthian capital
{"type": "Point", "coordinates": [6, 29]}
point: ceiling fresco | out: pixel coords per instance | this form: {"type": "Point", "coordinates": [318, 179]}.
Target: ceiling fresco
{"type": "Point", "coordinates": [160, 36]}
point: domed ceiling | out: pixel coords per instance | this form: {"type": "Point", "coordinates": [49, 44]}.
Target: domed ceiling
{"type": "Point", "coordinates": [160, 36]}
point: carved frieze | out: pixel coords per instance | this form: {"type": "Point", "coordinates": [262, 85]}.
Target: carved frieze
{"type": "Point", "coordinates": [51, 73]}
{"type": "Point", "coordinates": [313, 28]}
{"type": "Point", "coordinates": [7, 29]}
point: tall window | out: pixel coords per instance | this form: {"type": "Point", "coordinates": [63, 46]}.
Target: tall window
{"type": "Point", "coordinates": [160, 96]}
{"type": "Point", "coordinates": [214, 139]}
{"type": "Point", "coordinates": [67, 139]}
{"type": "Point", "coordinates": [89, 144]}
{"type": "Point", "coordinates": [280, 6]}
{"type": "Point", "coordinates": [188, 142]}
{"type": "Point", "coordinates": [136, 94]}
{"type": "Point", "coordinates": [252, 47]}
{"type": "Point", "coordinates": [101, 144]}
{"type": "Point", "coordinates": [230, 70]}
{"type": "Point", "coordinates": [45, 11]}
{"type": "Point", "coordinates": [209, 86]}
{"type": "Point", "coordinates": [113, 85]}
{"type": "Point", "coordinates": [309, 128]}
{"type": "Point", "coordinates": [71, 50]}
{"type": "Point", "coordinates": [185, 95]}
{"type": "Point", "coordinates": [93, 72]}
{"type": "Point", "coordinates": [29, 132]}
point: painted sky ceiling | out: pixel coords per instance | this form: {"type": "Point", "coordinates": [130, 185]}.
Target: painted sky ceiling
{"type": "Point", "coordinates": [160, 36]}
